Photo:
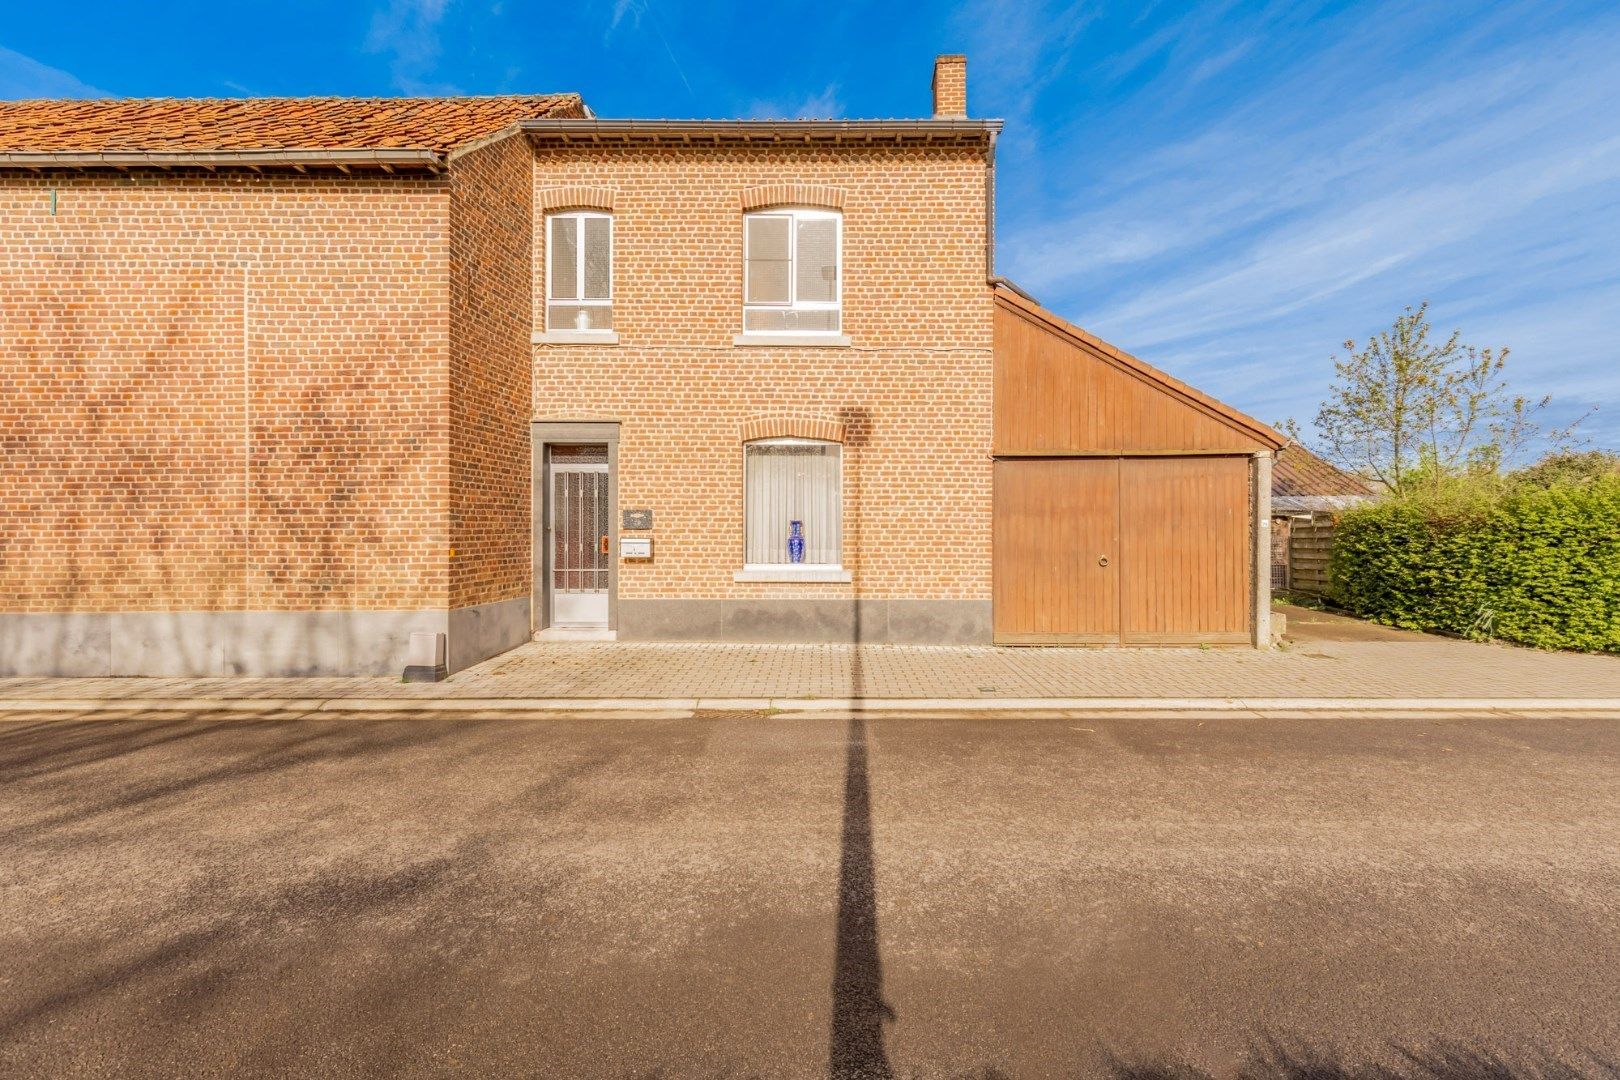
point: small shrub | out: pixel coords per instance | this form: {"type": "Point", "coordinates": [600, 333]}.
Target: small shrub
{"type": "Point", "coordinates": [1524, 563]}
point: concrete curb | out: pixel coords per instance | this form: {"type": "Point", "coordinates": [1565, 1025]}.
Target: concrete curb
{"type": "Point", "coordinates": [812, 706]}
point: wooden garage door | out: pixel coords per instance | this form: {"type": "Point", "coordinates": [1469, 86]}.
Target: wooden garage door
{"type": "Point", "coordinates": [1110, 550]}
{"type": "Point", "coordinates": [1056, 540]}
{"type": "Point", "coordinates": [1184, 550]}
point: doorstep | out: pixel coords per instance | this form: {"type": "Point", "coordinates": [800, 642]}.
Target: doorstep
{"type": "Point", "coordinates": [576, 633]}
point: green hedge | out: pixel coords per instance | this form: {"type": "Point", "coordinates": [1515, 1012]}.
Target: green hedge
{"type": "Point", "coordinates": [1539, 566]}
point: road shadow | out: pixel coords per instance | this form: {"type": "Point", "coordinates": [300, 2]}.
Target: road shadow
{"type": "Point", "coordinates": [225, 751]}
{"type": "Point", "coordinates": [858, 1009]}
{"type": "Point", "coordinates": [1275, 1059]}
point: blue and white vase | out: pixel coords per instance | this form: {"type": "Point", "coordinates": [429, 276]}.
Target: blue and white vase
{"type": "Point", "coordinates": [796, 541]}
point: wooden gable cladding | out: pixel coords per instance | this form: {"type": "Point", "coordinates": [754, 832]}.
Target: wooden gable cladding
{"type": "Point", "coordinates": [1060, 391]}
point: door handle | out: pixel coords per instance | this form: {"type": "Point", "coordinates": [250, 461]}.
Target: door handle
{"type": "Point", "coordinates": [1102, 560]}
{"type": "Point", "coordinates": [604, 544]}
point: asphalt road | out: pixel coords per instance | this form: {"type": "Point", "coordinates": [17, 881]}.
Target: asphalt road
{"type": "Point", "coordinates": [746, 895]}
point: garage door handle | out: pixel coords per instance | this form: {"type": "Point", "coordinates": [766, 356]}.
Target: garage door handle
{"type": "Point", "coordinates": [1102, 560]}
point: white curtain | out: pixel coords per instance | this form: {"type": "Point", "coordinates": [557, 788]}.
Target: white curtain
{"type": "Point", "coordinates": [565, 258]}
{"type": "Point", "coordinates": [793, 481]}
{"type": "Point", "coordinates": [816, 273]}
{"type": "Point", "coordinates": [598, 256]}
{"type": "Point", "coordinates": [769, 259]}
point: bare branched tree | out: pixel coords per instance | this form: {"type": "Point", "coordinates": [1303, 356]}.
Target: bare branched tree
{"type": "Point", "coordinates": [1403, 403]}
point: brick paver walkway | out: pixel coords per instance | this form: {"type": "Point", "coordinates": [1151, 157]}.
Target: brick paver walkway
{"type": "Point", "coordinates": [1415, 668]}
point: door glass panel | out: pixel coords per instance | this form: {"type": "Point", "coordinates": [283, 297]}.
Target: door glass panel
{"type": "Point", "coordinates": [603, 556]}
{"type": "Point", "coordinates": [559, 527]}
{"type": "Point", "coordinates": [588, 556]}
{"type": "Point", "coordinates": [580, 490]}
{"type": "Point", "coordinates": [580, 525]}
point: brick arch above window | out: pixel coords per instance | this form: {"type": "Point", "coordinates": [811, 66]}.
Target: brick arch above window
{"type": "Point", "coordinates": [575, 197]}
{"type": "Point", "coordinates": [797, 427]}
{"type": "Point", "coordinates": [817, 195]}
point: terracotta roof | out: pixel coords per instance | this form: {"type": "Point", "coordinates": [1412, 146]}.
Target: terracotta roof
{"type": "Point", "coordinates": [1297, 471]}
{"type": "Point", "coordinates": [225, 124]}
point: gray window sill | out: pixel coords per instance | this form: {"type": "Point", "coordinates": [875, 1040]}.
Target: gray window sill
{"type": "Point", "coordinates": [814, 341]}
{"type": "Point", "coordinates": [575, 337]}
{"type": "Point", "coordinates": [787, 573]}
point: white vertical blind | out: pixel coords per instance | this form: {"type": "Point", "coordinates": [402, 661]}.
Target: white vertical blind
{"type": "Point", "coordinates": [598, 276]}
{"type": "Point", "coordinates": [769, 259]}
{"type": "Point", "coordinates": [792, 480]}
{"type": "Point", "coordinates": [564, 258]}
{"type": "Point", "coordinates": [816, 265]}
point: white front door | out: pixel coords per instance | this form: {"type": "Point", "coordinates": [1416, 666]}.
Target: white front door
{"type": "Point", "coordinates": [580, 535]}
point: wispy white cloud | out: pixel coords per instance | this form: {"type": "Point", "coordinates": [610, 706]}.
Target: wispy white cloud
{"type": "Point", "coordinates": [24, 77]}
{"type": "Point", "coordinates": [407, 31]}
{"type": "Point", "coordinates": [1185, 34]}
{"type": "Point", "coordinates": [626, 9]}
{"type": "Point", "coordinates": [1016, 52]}
{"type": "Point", "coordinates": [633, 11]}
{"type": "Point", "coordinates": [1274, 188]}
{"type": "Point", "coordinates": [824, 105]}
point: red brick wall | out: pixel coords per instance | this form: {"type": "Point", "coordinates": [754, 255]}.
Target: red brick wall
{"type": "Point", "coordinates": [491, 319]}
{"type": "Point", "coordinates": [242, 392]}
{"type": "Point", "coordinates": [223, 392]}
{"type": "Point", "coordinates": [914, 390]}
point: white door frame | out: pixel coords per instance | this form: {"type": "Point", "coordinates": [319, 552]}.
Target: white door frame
{"type": "Point", "coordinates": [587, 607]}
{"type": "Point", "coordinates": [543, 435]}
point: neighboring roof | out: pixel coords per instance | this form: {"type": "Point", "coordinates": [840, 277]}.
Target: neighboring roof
{"type": "Point", "coordinates": [1297, 471]}
{"type": "Point", "coordinates": [1011, 295]}
{"type": "Point", "coordinates": [786, 132]}
{"type": "Point", "coordinates": [1289, 505]}
{"type": "Point", "coordinates": [169, 126]}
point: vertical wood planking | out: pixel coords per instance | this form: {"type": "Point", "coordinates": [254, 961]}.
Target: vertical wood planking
{"type": "Point", "coordinates": [1185, 550]}
{"type": "Point", "coordinates": [1054, 518]}
{"type": "Point", "coordinates": [1057, 395]}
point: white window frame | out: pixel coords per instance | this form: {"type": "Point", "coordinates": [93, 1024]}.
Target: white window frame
{"type": "Point", "coordinates": [789, 570]}
{"type": "Point", "coordinates": [793, 303]}
{"type": "Point", "coordinates": [579, 270]}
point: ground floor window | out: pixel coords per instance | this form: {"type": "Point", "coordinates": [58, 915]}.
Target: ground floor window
{"type": "Point", "coordinates": [793, 503]}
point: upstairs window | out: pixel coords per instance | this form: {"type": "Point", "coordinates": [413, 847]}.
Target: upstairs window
{"type": "Point", "coordinates": [579, 272]}
{"type": "Point", "coordinates": [791, 272]}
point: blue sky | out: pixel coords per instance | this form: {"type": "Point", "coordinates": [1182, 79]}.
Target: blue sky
{"type": "Point", "coordinates": [1227, 189]}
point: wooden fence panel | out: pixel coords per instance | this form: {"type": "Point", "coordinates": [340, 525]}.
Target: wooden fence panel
{"type": "Point", "coordinates": [1310, 544]}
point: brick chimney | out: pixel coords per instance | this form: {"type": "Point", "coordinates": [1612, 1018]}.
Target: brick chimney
{"type": "Point", "coordinates": [950, 87]}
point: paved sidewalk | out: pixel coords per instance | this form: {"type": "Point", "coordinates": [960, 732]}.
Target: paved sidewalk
{"type": "Point", "coordinates": [1414, 667]}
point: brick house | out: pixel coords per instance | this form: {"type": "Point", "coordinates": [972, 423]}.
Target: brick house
{"type": "Point", "coordinates": [301, 385]}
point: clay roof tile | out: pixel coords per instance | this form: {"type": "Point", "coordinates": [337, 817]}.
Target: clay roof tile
{"type": "Point", "coordinates": [224, 124]}
{"type": "Point", "coordinates": [1297, 471]}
